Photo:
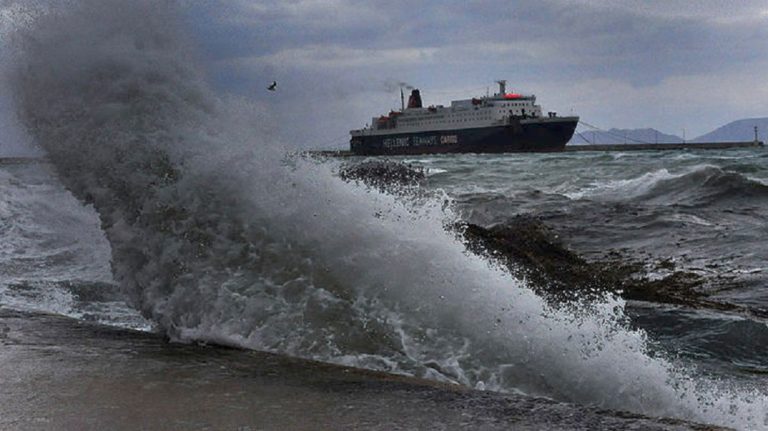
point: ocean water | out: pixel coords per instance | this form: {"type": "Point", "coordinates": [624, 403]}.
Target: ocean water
{"type": "Point", "coordinates": [701, 212]}
{"type": "Point", "coordinates": [166, 206]}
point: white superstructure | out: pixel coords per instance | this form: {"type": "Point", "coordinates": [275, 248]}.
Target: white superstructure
{"type": "Point", "coordinates": [486, 111]}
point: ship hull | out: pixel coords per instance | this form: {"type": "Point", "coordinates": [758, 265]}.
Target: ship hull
{"type": "Point", "coordinates": [537, 135]}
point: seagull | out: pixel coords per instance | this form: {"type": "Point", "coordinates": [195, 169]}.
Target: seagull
{"type": "Point", "coordinates": [272, 86]}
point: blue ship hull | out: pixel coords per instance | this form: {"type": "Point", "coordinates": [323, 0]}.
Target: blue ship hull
{"type": "Point", "coordinates": [546, 135]}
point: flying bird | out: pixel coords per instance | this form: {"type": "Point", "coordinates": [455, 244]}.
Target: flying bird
{"type": "Point", "coordinates": [272, 86]}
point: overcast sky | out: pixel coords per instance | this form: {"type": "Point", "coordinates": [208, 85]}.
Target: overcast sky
{"type": "Point", "coordinates": [674, 65]}
{"type": "Point", "coordinates": [671, 64]}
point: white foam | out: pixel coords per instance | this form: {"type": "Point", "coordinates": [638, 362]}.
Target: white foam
{"type": "Point", "coordinates": [435, 171]}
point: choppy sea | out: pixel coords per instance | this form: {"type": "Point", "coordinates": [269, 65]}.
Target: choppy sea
{"type": "Point", "coordinates": [702, 210]}
{"type": "Point", "coordinates": [165, 206]}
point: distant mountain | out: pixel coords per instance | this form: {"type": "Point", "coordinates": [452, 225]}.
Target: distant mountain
{"type": "Point", "coordinates": [740, 130]}
{"type": "Point", "coordinates": [622, 136]}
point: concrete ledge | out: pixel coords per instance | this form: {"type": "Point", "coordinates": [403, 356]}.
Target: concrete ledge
{"type": "Point", "coordinates": [59, 373]}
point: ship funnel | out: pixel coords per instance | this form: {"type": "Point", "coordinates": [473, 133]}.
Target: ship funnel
{"type": "Point", "coordinates": [502, 87]}
{"type": "Point", "coordinates": [415, 100]}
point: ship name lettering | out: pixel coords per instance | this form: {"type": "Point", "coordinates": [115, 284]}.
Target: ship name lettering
{"type": "Point", "coordinates": [449, 139]}
{"type": "Point", "coordinates": [424, 140]}
{"type": "Point", "coordinates": [395, 142]}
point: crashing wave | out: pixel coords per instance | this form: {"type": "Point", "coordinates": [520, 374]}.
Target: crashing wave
{"type": "Point", "coordinates": [216, 236]}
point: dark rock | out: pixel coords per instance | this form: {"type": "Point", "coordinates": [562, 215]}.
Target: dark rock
{"type": "Point", "coordinates": [530, 250]}
{"type": "Point", "coordinates": [385, 175]}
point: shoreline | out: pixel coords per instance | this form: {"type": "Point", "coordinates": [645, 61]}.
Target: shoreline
{"type": "Point", "coordinates": [61, 373]}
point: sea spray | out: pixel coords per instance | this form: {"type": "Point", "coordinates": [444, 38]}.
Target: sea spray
{"type": "Point", "coordinates": [217, 236]}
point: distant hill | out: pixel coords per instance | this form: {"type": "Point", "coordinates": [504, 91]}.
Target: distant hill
{"type": "Point", "coordinates": [621, 136]}
{"type": "Point", "coordinates": [740, 130]}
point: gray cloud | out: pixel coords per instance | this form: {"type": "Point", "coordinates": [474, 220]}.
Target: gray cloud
{"type": "Point", "coordinates": [620, 60]}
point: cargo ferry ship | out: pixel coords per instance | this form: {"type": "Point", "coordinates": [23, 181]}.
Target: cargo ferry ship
{"type": "Point", "coordinates": [504, 122]}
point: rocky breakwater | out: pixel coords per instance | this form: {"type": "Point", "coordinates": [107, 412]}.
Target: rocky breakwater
{"type": "Point", "coordinates": [530, 249]}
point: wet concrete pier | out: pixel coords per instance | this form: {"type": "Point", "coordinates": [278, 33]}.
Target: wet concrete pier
{"type": "Point", "coordinates": [62, 374]}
